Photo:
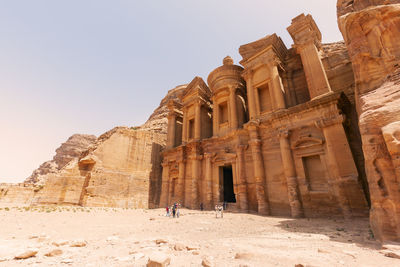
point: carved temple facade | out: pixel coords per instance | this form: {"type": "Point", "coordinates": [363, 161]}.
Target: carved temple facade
{"type": "Point", "coordinates": [274, 136]}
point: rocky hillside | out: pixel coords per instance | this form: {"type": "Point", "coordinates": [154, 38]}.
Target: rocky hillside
{"type": "Point", "coordinates": [158, 121]}
{"type": "Point", "coordinates": [81, 144]}
{"type": "Point", "coordinates": [69, 150]}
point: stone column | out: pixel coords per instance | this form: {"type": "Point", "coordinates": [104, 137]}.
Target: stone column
{"type": "Point", "coordinates": [215, 117]}
{"type": "Point", "coordinates": [259, 172]}
{"type": "Point", "coordinates": [171, 130]}
{"type": "Point", "coordinates": [197, 121]}
{"type": "Point", "coordinates": [196, 171]}
{"type": "Point", "coordinates": [215, 185]}
{"type": "Point", "coordinates": [250, 94]}
{"type": "Point", "coordinates": [164, 185]}
{"type": "Point", "coordinates": [232, 104]}
{"type": "Point", "coordinates": [184, 127]}
{"type": "Point", "coordinates": [307, 41]}
{"type": "Point", "coordinates": [242, 184]}
{"type": "Point", "coordinates": [208, 181]}
{"type": "Point", "coordinates": [181, 182]}
{"type": "Point", "coordinates": [277, 86]}
{"type": "Point", "coordinates": [341, 163]}
{"type": "Point", "coordinates": [290, 173]}
{"type": "Point", "coordinates": [170, 191]}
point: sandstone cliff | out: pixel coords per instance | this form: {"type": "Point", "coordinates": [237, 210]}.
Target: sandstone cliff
{"type": "Point", "coordinates": [68, 151]}
{"type": "Point", "coordinates": [371, 30]}
{"type": "Point", "coordinates": [158, 120]}
{"type": "Point", "coordinates": [120, 168]}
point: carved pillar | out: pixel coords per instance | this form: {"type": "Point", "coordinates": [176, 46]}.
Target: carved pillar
{"type": "Point", "coordinates": [307, 41]}
{"type": "Point", "coordinates": [215, 117]}
{"type": "Point", "coordinates": [170, 191]}
{"type": "Point", "coordinates": [317, 80]}
{"type": "Point", "coordinates": [184, 127]}
{"type": "Point", "coordinates": [250, 93]}
{"type": "Point", "coordinates": [242, 184]}
{"type": "Point", "coordinates": [341, 163]}
{"type": "Point", "coordinates": [208, 181]}
{"type": "Point", "coordinates": [171, 130]}
{"type": "Point", "coordinates": [197, 121]}
{"type": "Point", "coordinates": [277, 85]}
{"type": "Point", "coordinates": [181, 182]}
{"type": "Point", "coordinates": [164, 185]}
{"type": "Point", "coordinates": [215, 185]}
{"type": "Point", "coordinates": [259, 172]}
{"type": "Point", "coordinates": [291, 177]}
{"type": "Point", "coordinates": [196, 171]}
{"type": "Point", "coordinates": [232, 104]}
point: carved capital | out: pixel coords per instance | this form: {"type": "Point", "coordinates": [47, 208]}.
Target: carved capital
{"type": "Point", "coordinates": [326, 122]}
{"type": "Point", "coordinates": [181, 160]}
{"type": "Point", "coordinates": [272, 60]}
{"type": "Point", "coordinates": [252, 125]}
{"type": "Point", "coordinates": [241, 148]}
{"type": "Point", "coordinates": [165, 164]}
{"type": "Point", "coordinates": [209, 155]}
{"type": "Point", "coordinates": [255, 143]}
{"type": "Point", "coordinates": [247, 74]}
{"type": "Point", "coordinates": [195, 157]}
{"type": "Point", "coordinates": [283, 133]}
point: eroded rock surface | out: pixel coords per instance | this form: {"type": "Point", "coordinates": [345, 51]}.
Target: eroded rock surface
{"type": "Point", "coordinates": [371, 30]}
{"type": "Point", "coordinates": [121, 168]}
{"type": "Point", "coordinates": [68, 151]}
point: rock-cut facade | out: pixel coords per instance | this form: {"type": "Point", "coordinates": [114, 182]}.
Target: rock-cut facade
{"type": "Point", "coordinates": [277, 135]}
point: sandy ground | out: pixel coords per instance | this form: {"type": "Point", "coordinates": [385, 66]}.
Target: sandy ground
{"type": "Point", "coordinates": [117, 237]}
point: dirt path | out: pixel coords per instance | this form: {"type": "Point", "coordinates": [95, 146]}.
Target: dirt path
{"type": "Point", "coordinates": [116, 237]}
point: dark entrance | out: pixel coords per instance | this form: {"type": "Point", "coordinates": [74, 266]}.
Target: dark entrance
{"type": "Point", "coordinates": [227, 176]}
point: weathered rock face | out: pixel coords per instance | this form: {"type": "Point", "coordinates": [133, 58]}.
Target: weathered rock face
{"type": "Point", "coordinates": [68, 151]}
{"type": "Point", "coordinates": [158, 121]}
{"type": "Point", "coordinates": [371, 30]}
{"type": "Point", "coordinates": [17, 193]}
{"type": "Point", "coordinates": [279, 144]}
{"type": "Point", "coordinates": [120, 170]}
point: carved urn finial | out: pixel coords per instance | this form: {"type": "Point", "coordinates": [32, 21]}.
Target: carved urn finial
{"type": "Point", "coordinates": [227, 61]}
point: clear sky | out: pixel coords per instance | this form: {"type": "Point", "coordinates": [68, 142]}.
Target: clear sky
{"type": "Point", "coordinates": [87, 66]}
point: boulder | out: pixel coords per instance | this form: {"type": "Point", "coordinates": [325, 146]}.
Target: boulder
{"type": "Point", "coordinates": [158, 260]}
{"type": "Point", "coordinates": [78, 243]}
{"type": "Point", "coordinates": [26, 254]}
{"type": "Point", "coordinates": [54, 252]}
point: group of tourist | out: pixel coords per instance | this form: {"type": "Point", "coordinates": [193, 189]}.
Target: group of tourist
{"type": "Point", "coordinates": [173, 211]}
{"type": "Point", "coordinates": [219, 210]}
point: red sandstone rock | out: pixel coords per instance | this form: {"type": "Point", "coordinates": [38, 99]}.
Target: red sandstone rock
{"type": "Point", "coordinates": [371, 29]}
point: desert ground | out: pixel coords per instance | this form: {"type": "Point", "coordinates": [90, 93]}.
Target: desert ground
{"type": "Point", "coordinates": [76, 236]}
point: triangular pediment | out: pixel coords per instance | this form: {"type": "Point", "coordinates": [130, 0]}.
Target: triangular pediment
{"type": "Point", "coordinates": [224, 157]}
{"type": "Point", "coordinates": [306, 142]}
{"type": "Point", "coordinates": [251, 50]}
{"type": "Point", "coordinates": [197, 87]}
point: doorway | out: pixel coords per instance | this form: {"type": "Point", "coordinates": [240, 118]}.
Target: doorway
{"type": "Point", "coordinates": [228, 193]}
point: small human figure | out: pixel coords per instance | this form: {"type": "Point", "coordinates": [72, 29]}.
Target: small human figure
{"type": "Point", "coordinates": [173, 210]}
{"type": "Point", "coordinates": [177, 212]}
{"type": "Point", "coordinates": [167, 209]}
{"type": "Point", "coordinates": [201, 206]}
{"type": "Point", "coordinates": [221, 211]}
{"type": "Point", "coordinates": [225, 205]}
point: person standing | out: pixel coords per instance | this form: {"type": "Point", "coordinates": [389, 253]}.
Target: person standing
{"type": "Point", "coordinates": [201, 206]}
{"type": "Point", "coordinates": [167, 209]}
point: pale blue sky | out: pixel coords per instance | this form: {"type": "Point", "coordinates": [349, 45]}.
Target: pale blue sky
{"type": "Point", "coordinates": [87, 66]}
